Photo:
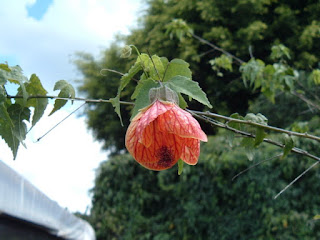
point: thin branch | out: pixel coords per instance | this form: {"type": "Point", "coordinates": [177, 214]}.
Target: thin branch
{"type": "Point", "coordinates": [306, 100]}
{"type": "Point", "coordinates": [296, 179]}
{"type": "Point", "coordinates": [114, 71]}
{"type": "Point", "coordinates": [74, 99]}
{"type": "Point", "coordinates": [246, 134]}
{"type": "Point", "coordinates": [204, 116]}
{"type": "Point", "coordinates": [38, 140]}
{"type": "Point", "coordinates": [217, 48]}
{"type": "Point", "coordinates": [254, 165]}
{"type": "Point", "coordinates": [208, 114]}
{"type": "Point", "coordinates": [275, 129]}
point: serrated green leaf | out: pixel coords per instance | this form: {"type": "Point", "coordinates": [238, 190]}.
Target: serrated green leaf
{"type": "Point", "coordinates": [6, 133]}
{"type": "Point", "coordinates": [18, 114]}
{"type": "Point", "coordinates": [140, 63]}
{"type": "Point", "coordinates": [34, 87]}
{"type": "Point", "coordinates": [157, 69]}
{"type": "Point", "coordinates": [142, 96]}
{"type": "Point", "coordinates": [13, 74]}
{"type": "Point", "coordinates": [177, 67]}
{"type": "Point", "coordinates": [191, 88]}
{"type": "Point", "coordinates": [116, 104]}
{"type": "Point", "coordinates": [16, 76]}
{"type": "Point", "coordinates": [13, 128]}
{"type": "Point", "coordinates": [180, 166]}
{"type": "Point", "coordinates": [66, 91]}
{"type": "Point", "coordinates": [288, 145]}
{"type": "Point", "coordinates": [260, 135]}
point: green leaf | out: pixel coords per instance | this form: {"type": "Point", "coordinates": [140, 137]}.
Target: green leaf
{"type": "Point", "coordinates": [12, 126]}
{"type": "Point", "coordinates": [116, 104]}
{"type": "Point", "coordinates": [279, 52]}
{"type": "Point", "coordinates": [259, 118]}
{"type": "Point", "coordinates": [180, 166]}
{"type": "Point", "coordinates": [139, 65]}
{"type": "Point", "coordinates": [248, 144]}
{"type": "Point", "coordinates": [230, 137]}
{"type": "Point", "coordinates": [315, 76]}
{"type": "Point", "coordinates": [177, 67]}
{"type": "Point", "coordinates": [260, 135]}
{"type": "Point", "coordinates": [66, 91]}
{"type": "Point", "coordinates": [34, 87]}
{"type": "Point", "coordinates": [252, 72]}
{"type": "Point", "coordinates": [289, 144]}
{"type": "Point", "coordinates": [157, 69]}
{"type": "Point", "coordinates": [141, 95]}
{"type": "Point", "coordinates": [16, 76]}
{"type": "Point", "coordinates": [13, 74]}
{"type": "Point", "coordinates": [191, 88]}
{"type": "Point", "coordinates": [235, 125]}
{"type": "Point", "coordinates": [223, 61]}
{"type": "Point", "coordinates": [182, 103]}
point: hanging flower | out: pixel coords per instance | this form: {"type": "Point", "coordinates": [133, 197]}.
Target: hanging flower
{"type": "Point", "coordinates": [161, 134]}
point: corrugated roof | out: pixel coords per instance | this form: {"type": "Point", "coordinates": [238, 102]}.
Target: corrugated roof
{"type": "Point", "coordinates": [20, 199]}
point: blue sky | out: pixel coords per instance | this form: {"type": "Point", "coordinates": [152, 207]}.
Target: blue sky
{"type": "Point", "coordinates": [38, 9]}
{"type": "Point", "coordinates": [42, 37]}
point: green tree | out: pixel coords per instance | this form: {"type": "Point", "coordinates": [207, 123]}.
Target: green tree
{"type": "Point", "coordinates": [240, 27]}
{"type": "Point", "coordinates": [130, 202]}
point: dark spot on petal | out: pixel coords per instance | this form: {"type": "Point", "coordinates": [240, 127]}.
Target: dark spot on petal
{"type": "Point", "coordinates": [165, 156]}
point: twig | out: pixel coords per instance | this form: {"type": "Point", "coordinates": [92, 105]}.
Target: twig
{"type": "Point", "coordinates": [254, 165]}
{"type": "Point", "coordinates": [217, 48]}
{"type": "Point", "coordinates": [296, 179]}
{"type": "Point", "coordinates": [246, 134]}
{"type": "Point", "coordinates": [275, 129]}
{"type": "Point", "coordinates": [204, 116]}
{"type": "Point", "coordinates": [73, 99]}
{"type": "Point", "coordinates": [60, 122]}
{"type": "Point", "coordinates": [114, 71]}
{"type": "Point", "coordinates": [306, 100]}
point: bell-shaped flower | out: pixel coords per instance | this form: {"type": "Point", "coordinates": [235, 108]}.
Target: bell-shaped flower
{"type": "Point", "coordinates": [161, 134]}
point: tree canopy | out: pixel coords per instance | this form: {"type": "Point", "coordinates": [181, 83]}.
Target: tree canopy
{"type": "Point", "coordinates": [268, 65]}
{"type": "Point", "coordinates": [244, 28]}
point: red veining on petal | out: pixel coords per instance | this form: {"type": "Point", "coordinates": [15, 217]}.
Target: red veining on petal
{"type": "Point", "coordinates": [163, 133]}
{"type": "Point", "coordinates": [190, 151]}
{"type": "Point", "coordinates": [156, 109]}
{"type": "Point", "coordinates": [180, 122]}
{"type": "Point", "coordinates": [162, 153]}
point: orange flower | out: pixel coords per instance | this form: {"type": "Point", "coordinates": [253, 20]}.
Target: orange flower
{"type": "Point", "coordinates": [161, 134]}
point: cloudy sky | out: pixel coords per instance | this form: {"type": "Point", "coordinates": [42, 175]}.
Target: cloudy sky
{"type": "Point", "coordinates": [42, 36]}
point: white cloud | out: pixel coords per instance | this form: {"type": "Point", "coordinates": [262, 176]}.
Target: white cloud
{"type": "Point", "coordinates": [45, 46]}
{"type": "Point", "coordinates": [62, 164]}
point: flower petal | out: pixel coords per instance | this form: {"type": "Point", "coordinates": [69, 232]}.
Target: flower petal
{"type": "Point", "coordinates": [180, 122]}
{"type": "Point", "coordinates": [163, 152]}
{"type": "Point", "coordinates": [149, 114]}
{"type": "Point", "coordinates": [190, 151]}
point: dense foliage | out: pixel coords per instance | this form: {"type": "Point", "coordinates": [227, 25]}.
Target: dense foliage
{"type": "Point", "coordinates": [130, 202]}
{"type": "Point", "coordinates": [277, 75]}
{"type": "Point", "coordinates": [240, 27]}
